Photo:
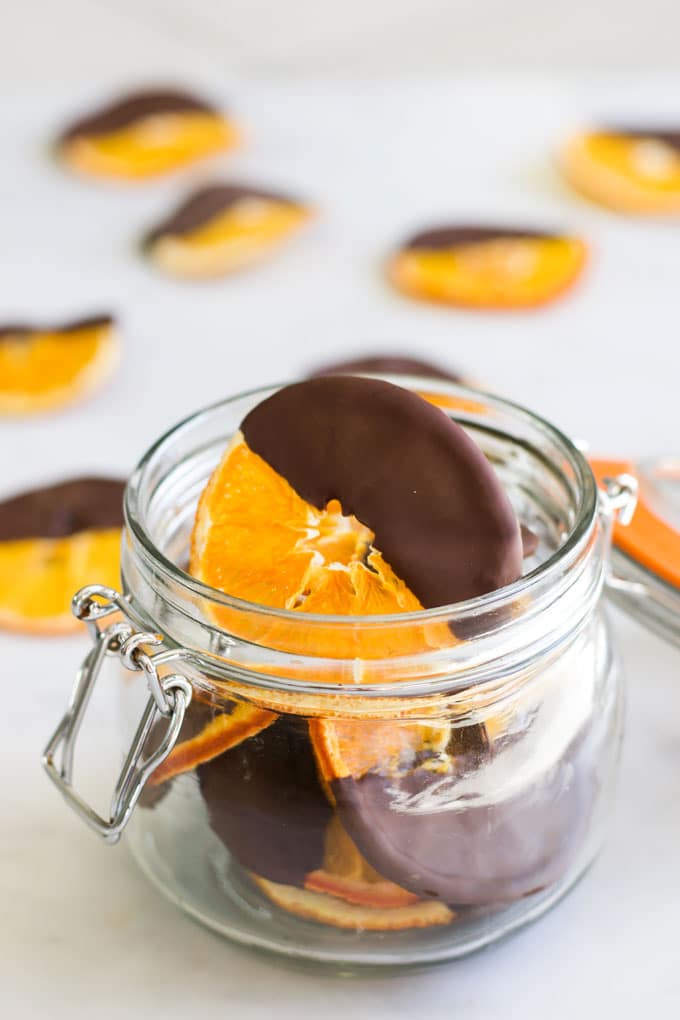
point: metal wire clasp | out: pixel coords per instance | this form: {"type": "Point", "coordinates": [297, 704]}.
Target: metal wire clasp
{"type": "Point", "coordinates": [169, 697]}
{"type": "Point", "coordinates": [619, 496]}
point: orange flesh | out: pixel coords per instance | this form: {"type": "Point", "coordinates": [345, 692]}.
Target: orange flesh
{"type": "Point", "coordinates": [153, 145]}
{"type": "Point", "coordinates": [347, 875]}
{"type": "Point", "coordinates": [49, 369]}
{"type": "Point", "coordinates": [39, 576]}
{"type": "Point", "coordinates": [257, 539]}
{"type": "Point", "coordinates": [259, 221]}
{"type": "Point", "coordinates": [503, 273]}
{"type": "Point", "coordinates": [353, 748]}
{"type": "Point", "coordinates": [630, 174]}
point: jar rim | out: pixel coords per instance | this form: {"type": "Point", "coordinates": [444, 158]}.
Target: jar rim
{"type": "Point", "coordinates": [584, 518]}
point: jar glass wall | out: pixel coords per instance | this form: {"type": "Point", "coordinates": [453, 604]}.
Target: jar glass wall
{"type": "Point", "coordinates": [380, 790]}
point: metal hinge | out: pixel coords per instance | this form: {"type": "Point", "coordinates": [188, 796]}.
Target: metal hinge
{"type": "Point", "coordinates": [169, 697]}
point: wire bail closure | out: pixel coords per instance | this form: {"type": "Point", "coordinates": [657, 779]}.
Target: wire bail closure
{"type": "Point", "coordinates": [169, 697]}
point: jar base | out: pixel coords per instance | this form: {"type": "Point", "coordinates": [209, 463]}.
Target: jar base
{"type": "Point", "coordinates": [206, 884]}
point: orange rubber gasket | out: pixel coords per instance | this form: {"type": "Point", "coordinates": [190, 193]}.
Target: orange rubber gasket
{"type": "Point", "coordinates": [648, 539]}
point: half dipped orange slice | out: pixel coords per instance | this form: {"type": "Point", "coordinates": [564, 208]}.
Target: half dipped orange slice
{"type": "Point", "coordinates": [631, 170]}
{"type": "Point", "coordinates": [223, 228]}
{"type": "Point", "coordinates": [487, 267]}
{"type": "Point", "coordinates": [47, 367]}
{"type": "Point", "coordinates": [54, 541]}
{"type": "Point", "coordinates": [144, 134]}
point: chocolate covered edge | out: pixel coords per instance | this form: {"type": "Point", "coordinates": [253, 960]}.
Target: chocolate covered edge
{"type": "Point", "coordinates": [63, 509]}
{"type": "Point", "coordinates": [122, 112]}
{"type": "Point", "coordinates": [204, 205]}
{"type": "Point", "coordinates": [87, 322]}
{"type": "Point", "coordinates": [458, 236]}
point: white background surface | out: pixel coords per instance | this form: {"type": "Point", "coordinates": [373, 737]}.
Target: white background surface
{"type": "Point", "coordinates": [81, 933]}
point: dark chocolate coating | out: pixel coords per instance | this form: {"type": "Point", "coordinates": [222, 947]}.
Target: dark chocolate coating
{"type": "Point", "coordinates": [486, 854]}
{"type": "Point", "coordinates": [458, 235]}
{"type": "Point", "coordinates": [81, 504]}
{"type": "Point", "coordinates": [266, 804]}
{"type": "Point", "coordinates": [204, 205]}
{"type": "Point", "coordinates": [388, 364]}
{"type": "Point", "coordinates": [530, 541]}
{"type": "Point", "coordinates": [440, 515]}
{"type": "Point", "coordinates": [666, 135]}
{"type": "Point", "coordinates": [122, 112]}
{"type": "Point", "coordinates": [89, 322]}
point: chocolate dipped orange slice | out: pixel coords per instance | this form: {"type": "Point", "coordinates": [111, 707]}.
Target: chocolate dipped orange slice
{"type": "Point", "coordinates": [388, 364]}
{"type": "Point", "coordinates": [399, 364]}
{"type": "Point", "coordinates": [54, 541]}
{"type": "Point", "coordinates": [346, 892]}
{"type": "Point", "coordinates": [42, 368]}
{"type": "Point", "coordinates": [486, 267]}
{"type": "Point", "coordinates": [144, 134]}
{"type": "Point", "coordinates": [420, 812]}
{"type": "Point", "coordinates": [266, 802]}
{"type": "Point", "coordinates": [630, 169]}
{"type": "Point", "coordinates": [223, 228]}
{"type": "Point", "coordinates": [351, 496]}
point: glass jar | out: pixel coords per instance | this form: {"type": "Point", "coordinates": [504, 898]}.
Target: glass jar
{"type": "Point", "coordinates": [362, 790]}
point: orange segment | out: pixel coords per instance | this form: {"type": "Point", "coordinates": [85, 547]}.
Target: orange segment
{"type": "Point", "coordinates": [255, 538]}
{"type": "Point", "coordinates": [501, 273]}
{"type": "Point", "coordinates": [223, 732]}
{"type": "Point", "coordinates": [246, 233]}
{"type": "Point", "coordinates": [353, 916]}
{"type": "Point", "coordinates": [630, 173]}
{"type": "Point", "coordinates": [39, 576]}
{"type": "Point", "coordinates": [45, 369]}
{"type": "Point", "coordinates": [152, 145]}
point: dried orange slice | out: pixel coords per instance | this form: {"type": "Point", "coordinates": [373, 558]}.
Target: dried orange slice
{"type": "Point", "coordinates": [223, 228]}
{"type": "Point", "coordinates": [352, 748]}
{"type": "Point", "coordinates": [416, 805]}
{"type": "Point", "coordinates": [346, 875]}
{"type": "Point", "coordinates": [256, 538]}
{"type": "Point", "coordinates": [144, 134]}
{"type": "Point", "coordinates": [54, 541]}
{"type": "Point", "coordinates": [339, 914]}
{"type": "Point", "coordinates": [44, 368]}
{"type": "Point", "coordinates": [487, 267]}
{"type": "Point", "coordinates": [437, 525]}
{"type": "Point", "coordinates": [633, 170]}
{"type": "Point", "coordinates": [208, 732]}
